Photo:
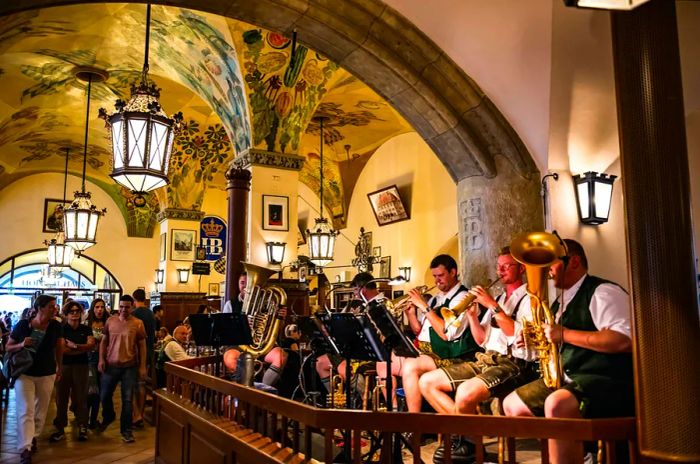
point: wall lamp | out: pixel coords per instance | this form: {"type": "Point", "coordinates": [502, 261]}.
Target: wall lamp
{"type": "Point", "coordinates": [160, 273]}
{"type": "Point", "coordinates": [183, 275]}
{"type": "Point", "coordinates": [275, 252]}
{"type": "Point", "coordinates": [593, 196]}
{"type": "Point", "coordinates": [405, 272]}
{"type": "Point", "coordinates": [605, 4]}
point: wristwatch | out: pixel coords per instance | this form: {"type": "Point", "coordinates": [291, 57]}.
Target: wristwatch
{"type": "Point", "coordinates": [496, 308]}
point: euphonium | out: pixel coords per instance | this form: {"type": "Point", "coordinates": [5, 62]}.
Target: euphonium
{"type": "Point", "coordinates": [537, 251]}
{"type": "Point", "coordinates": [397, 305]}
{"type": "Point", "coordinates": [450, 315]}
{"type": "Point", "coordinates": [261, 305]}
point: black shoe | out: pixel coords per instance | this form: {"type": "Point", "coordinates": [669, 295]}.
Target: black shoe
{"type": "Point", "coordinates": [34, 447]}
{"type": "Point", "coordinates": [26, 457]}
{"type": "Point", "coordinates": [463, 451]}
{"type": "Point", "coordinates": [57, 436]}
{"type": "Point", "coordinates": [128, 437]}
{"type": "Point", "coordinates": [82, 433]}
{"type": "Point", "coordinates": [138, 424]}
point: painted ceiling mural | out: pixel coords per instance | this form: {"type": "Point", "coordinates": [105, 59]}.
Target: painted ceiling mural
{"type": "Point", "coordinates": [237, 85]}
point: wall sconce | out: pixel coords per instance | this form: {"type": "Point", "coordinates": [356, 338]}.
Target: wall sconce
{"type": "Point", "coordinates": [405, 272]}
{"type": "Point", "coordinates": [275, 252]}
{"type": "Point", "coordinates": [605, 4]}
{"type": "Point", "coordinates": [593, 196]}
{"type": "Point", "coordinates": [183, 275]}
{"type": "Point", "coordinates": [160, 273]}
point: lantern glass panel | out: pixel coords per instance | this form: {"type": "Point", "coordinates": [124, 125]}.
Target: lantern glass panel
{"type": "Point", "coordinates": [583, 200]}
{"type": "Point", "coordinates": [83, 222]}
{"type": "Point", "coordinates": [118, 144]}
{"type": "Point", "coordinates": [137, 142]}
{"type": "Point", "coordinates": [70, 220]}
{"type": "Point", "coordinates": [159, 136]}
{"type": "Point", "coordinates": [603, 195]}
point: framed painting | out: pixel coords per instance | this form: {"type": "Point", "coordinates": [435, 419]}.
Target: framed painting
{"type": "Point", "coordinates": [182, 244]}
{"type": "Point", "coordinates": [275, 212]}
{"type": "Point", "coordinates": [387, 206]}
{"type": "Point", "coordinates": [213, 289]}
{"type": "Point", "coordinates": [163, 246]}
{"type": "Point", "coordinates": [385, 267]}
{"type": "Point", "coordinates": [53, 215]}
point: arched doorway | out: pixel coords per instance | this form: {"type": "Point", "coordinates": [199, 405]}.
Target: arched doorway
{"type": "Point", "coordinates": [26, 274]}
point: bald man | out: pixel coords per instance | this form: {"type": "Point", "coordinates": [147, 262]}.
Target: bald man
{"type": "Point", "coordinates": [175, 350]}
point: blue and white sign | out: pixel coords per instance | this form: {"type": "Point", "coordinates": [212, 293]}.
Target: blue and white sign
{"type": "Point", "coordinates": [212, 233]}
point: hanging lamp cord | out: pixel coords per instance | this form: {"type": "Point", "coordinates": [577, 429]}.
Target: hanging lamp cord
{"type": "Point", "coordinates": [321, 176]}
{"type": "Point", "coordinates": [144, 73]}
{"type": "Point", "coordinates": [87, 127]}
{"type": "Point", "coordinates": [65, 176]}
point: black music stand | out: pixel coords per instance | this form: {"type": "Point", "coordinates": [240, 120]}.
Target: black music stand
{"type": "Point", "coordinates": [223, 329]}
{"type": "Point", "coordinates": [315, 332]}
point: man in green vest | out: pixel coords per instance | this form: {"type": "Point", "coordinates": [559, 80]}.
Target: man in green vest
{"type": "Point", "coordinates": [594, 331]}
{"type": "Point", "coordinates": [440, 345]}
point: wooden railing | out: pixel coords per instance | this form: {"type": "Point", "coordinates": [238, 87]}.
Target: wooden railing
{"type": "Point", "coordinates": [220, 421]}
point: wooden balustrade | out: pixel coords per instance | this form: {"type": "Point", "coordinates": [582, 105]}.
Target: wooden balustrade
{"type": "Point", "coordinates": [220, 421]}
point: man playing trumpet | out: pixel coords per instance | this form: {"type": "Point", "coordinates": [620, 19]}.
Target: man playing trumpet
{"type": "Point", "coordinates": [440, 344]}
{"type": "Point", "coordinates": [495, 372]}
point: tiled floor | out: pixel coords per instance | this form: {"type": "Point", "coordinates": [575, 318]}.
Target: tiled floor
{"type": "Point", "coordinates": [103, 448]}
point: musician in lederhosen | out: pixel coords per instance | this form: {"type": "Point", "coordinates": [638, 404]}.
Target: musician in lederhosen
{"type": "Point", "coordinates": [364, 292]}
{"type": "Point", "coordinates": [496, 372]}
{"type": "Point", "coordinates": [440, 345]}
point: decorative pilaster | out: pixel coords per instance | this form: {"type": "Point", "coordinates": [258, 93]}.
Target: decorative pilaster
{"type": "Point", "coordinates": [238, 188]}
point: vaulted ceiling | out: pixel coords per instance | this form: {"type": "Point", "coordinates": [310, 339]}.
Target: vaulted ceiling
{"type": "Point", "coordinates": [238, 86]}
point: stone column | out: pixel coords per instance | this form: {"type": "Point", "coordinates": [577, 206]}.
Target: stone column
{"type": "Point", "coordinates": [238, 186]}
{"type": "Point", "coordinates": [491, 212]}
{"type": "Point", "coordinates": [654, 159]}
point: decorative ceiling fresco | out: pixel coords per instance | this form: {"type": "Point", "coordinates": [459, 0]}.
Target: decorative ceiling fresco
{"type": "Point", "coordinates": [237, 85]}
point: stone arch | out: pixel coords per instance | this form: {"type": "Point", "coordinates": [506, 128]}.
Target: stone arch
{"type": "Point", "coordinates": [391, 55]}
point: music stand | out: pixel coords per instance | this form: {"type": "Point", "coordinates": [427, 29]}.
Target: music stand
{"type": "Point", "coordinates": [222, 329]}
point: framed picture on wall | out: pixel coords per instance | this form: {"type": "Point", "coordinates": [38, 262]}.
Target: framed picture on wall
{"type": "Point", "coordinates": [385, 267]}
{"type": "Point", "coordinates": [53, 215]}
{"type": "Point", "coordinates": [387, 206]}
{"type": "Point", "coordinates": [163, 247]}
{"type": "Point", "coordinates": [182, 244]}
{"type": "Point", "coordinates": [275, 212]}
{"type": "Point", "coordinates": [213, 289]}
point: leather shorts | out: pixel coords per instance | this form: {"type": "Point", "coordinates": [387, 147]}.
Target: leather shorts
{"type": "Point", "coordinates": [500, 373]}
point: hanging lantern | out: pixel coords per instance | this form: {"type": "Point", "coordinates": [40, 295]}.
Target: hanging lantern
{"type": "Point", "coordinates": [321, 238]}
{"type": "Point", "coordinates": [141, 135]}
{"type": "Point", "coordinates": [80, 219]}
{"type": "Point", "coordinates": [59, 254]}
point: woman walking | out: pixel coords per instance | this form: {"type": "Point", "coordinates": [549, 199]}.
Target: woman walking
{"type": "Point", "coordinates": [42, 336]}
{"type": "Point", "coordinates": [97, 316]}
{"type": "Point", "coordinates": [73, 384]}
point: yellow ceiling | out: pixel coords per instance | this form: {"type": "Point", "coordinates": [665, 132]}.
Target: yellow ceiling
{"type": "Point", "coordinates": [237, 85]}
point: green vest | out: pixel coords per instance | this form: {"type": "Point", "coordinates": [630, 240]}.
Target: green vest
{"type": "Point", "coordinates": [464, 347]}
{"type": "Point", "coordinates": [581, 364]}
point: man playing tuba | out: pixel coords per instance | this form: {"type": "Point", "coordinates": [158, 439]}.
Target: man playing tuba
{"type": "Point", "coordinates": [593, 328]}
{"type": "Point", "coordinates": [495, 372]}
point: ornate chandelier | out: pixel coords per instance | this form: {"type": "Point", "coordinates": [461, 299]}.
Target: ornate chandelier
{"type": "Point", "coordinates": [59, 254]}
{"type": "Point", "coordinates": [80, 219]}
{"type": "Point", "coordinates": [141, 135]}
{"type": "Point", "coordinates": [322, 238]}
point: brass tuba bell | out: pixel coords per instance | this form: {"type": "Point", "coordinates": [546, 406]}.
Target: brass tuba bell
{"type": "Point", "coordinates": [537, 251]}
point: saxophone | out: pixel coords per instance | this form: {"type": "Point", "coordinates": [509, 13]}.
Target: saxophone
{"type": "Point", "coordinates": [261, 304]}
{"type": "Point", "coordinates": [537, 251]}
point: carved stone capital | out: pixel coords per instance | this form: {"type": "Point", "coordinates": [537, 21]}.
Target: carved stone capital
{"type": "Point", "coordinates": [256, 157]}
{"type": "Point", "coordinates": [237, 177]}
{"type": "Point", "coordinates": [177, 213]}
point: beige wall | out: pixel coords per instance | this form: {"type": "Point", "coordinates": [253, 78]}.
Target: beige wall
{"type": "Point", "coordinates": [131, 260]}
{"type": "Point", "coordinates": [426, 189]}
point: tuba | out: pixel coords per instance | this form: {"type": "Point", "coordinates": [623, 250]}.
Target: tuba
{"type": "Point", "coordinates": [261, 304]}
{"type": "Point", "coordinates": [537, 251]}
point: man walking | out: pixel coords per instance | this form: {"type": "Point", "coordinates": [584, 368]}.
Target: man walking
{"type": "Point", "coordinates": [144, 314]}
{"type": "Point", "coordinates": [122, 359]}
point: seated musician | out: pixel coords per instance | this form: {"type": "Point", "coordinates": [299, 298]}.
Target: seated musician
{"type": "Point", "coordinates": [494, 373]}
{"type": "Point", "coordinates": [364, 291]}
{"type": "Point", "coordinates": [439, 345]}
{"type": "Point", "coordinates": [277, 357]}
{"type": "Point", "coordinates": [593, 327]}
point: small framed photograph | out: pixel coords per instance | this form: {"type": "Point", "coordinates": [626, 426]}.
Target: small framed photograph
{"type": "Point", "coordinates": [387, 206]}
{"type": "Point", "coordinates": [377, 251]}
{"type": "Point", "coordinates": [275, 212]}
{"type": "Point", "coordinates": [385, 267]}
{"type": "Point", "coordinates": [213, 289]}
{"type": "Point", "coordinates": [182, 245]}
{"type": "Point", "coordinates": [396, 294]}
{"type": "Point", "coordinates": [53, 214]}
{"type": "Point", "coordinates": [303, 273]}
{"type": "Point", "coordinates": [201, 253]}
{"type": "Point", "coordinates": [163, 247]}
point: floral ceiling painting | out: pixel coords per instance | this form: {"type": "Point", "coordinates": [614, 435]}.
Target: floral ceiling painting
{"type": "Point", "coordinates": [238, 86]}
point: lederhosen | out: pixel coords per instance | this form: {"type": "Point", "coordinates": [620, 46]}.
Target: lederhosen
{"type": "Point", "coordinates": [501, 373]}
{"type": "Point", "coordinates": [602, 382]}
{"type": "Point", "coordinates": [443, 352]}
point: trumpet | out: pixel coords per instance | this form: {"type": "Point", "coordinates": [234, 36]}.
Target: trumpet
{"type": "Point", "coordinates": [450, 315]}
{"type": "Point", "coordinates": [397, 306]}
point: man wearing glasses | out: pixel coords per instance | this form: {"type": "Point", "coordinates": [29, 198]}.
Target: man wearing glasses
{"type": "Point", "coordinates": [496, 372]}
